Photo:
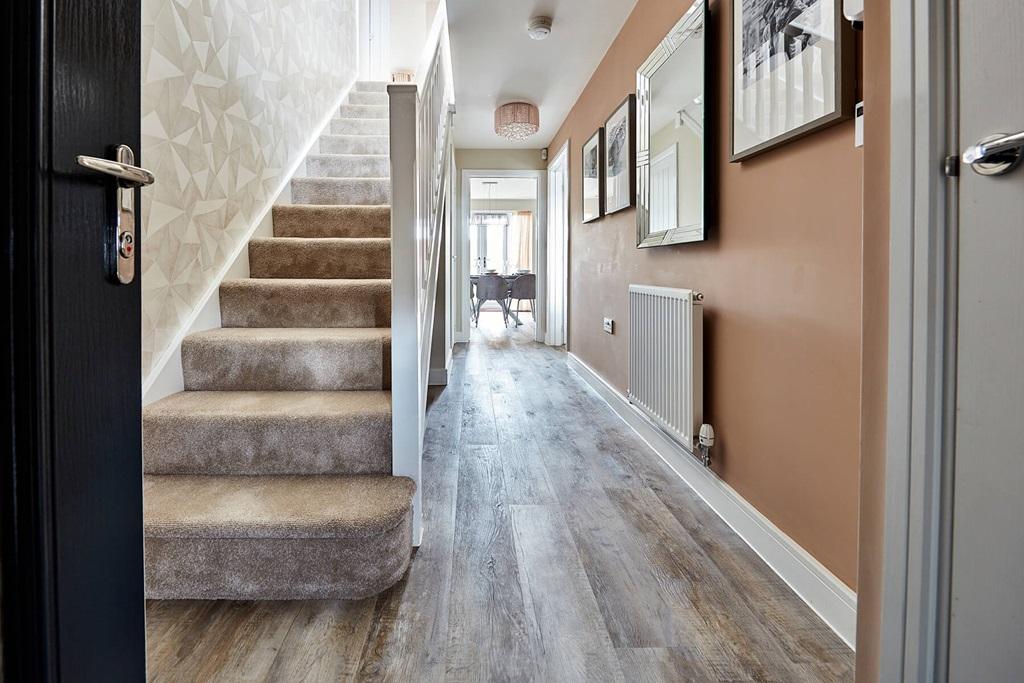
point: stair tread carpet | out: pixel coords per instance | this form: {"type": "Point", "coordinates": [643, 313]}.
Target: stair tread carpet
{"type": "Point", "coordinates": [274, 506]}
{"type": "Point", "coordinates": [287, 358]}
{"type": "Point", "coordinates": [310, 220]}
{"type": "Point", "coordinates": [269, 432]}
{"type": "Point", "coordinates": [301, 302]}
{"type": "Point", "coordinates": [321, 258]}
{"type": "Point", "coordinates": [355, 144]}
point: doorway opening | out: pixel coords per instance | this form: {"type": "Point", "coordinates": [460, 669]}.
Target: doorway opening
{"type": "Point", "coordinates": [504, 245]}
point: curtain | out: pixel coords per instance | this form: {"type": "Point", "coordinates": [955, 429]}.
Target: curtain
{"type": "Point", "coordinates": [524, 250]}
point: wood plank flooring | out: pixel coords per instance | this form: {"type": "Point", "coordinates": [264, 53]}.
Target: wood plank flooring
{"type": "Point", "coordinates": [557, 547]}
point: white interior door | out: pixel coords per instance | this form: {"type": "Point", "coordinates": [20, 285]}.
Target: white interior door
{"type": "Point", "coordinates": [556, 294]}
{"type": "Point", "coordinates": [374, 40]}
{"type": "Point", "coordinates": [987, 572]}
{"type": "Point", "coordinates": [665, 190]}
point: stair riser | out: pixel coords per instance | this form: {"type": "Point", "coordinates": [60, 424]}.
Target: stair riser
{"type": "Point", "coordinates": [375, 98]}
{"type": "Point", "coordinates": [301, 258]}
{"type": "Point", "coordinates": [359, 191]}
{"type": "Point", "coordinates": [331, 221]}
{"type": "Point", "coordinates": [359, 127]}
{"type": "Point", "coordinates": [348, 166]}
{"type": "Point", "coordinates": [286, 365]}
{"type": "Point", "coordinates": [270, 303]}
{"type": "Point", "coordinates": [354, 144]}
{"type": "Point", "coordinates": [371, 86]}
{"type": "Point", "coordinates": [276, 568]}
{"type": "Point", "coordinates": [226, 445]}
{"type": "Point", "coordinates": [364, 111]}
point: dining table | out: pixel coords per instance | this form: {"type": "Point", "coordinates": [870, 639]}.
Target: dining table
{"type": "Point", "coordinates": [509, 278]}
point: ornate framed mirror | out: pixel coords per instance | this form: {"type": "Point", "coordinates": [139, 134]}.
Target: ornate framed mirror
{"type": "Point", "coordinates": [672, 136]}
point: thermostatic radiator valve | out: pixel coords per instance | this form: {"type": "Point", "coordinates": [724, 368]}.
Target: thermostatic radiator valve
{"type": "Point", "coordinates": [705, 440]}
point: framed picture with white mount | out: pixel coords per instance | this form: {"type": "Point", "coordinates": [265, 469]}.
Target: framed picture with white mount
{"type": "Point", "coordinates": [620, 157]}
{"type": "Point", "coordinates": [792, 72]}
{"type": "Point", "coordinates": [593, 169]}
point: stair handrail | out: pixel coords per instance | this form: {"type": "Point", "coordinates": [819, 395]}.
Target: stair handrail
{"type": "Point", "coordinates": [421, 162]}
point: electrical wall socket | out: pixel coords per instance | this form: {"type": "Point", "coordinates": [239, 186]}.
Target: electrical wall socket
{"type": "Point", "coordinates": [609, 326]}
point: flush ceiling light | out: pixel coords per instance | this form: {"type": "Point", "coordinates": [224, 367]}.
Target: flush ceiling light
{"type": "Point", "coordinates": [539, 28]}
{"type": "Point", "coordinates": [516, 120]}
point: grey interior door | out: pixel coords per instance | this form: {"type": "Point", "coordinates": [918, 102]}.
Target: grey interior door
{"type": "Point", "coordinates": [987, 577]}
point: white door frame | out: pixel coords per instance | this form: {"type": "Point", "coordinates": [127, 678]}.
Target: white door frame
{"type": "Point", "coordinates": [922, 336]}
{"type": "Point", "coordinates": [539, 245]}
{"type": "Point", "coordinates": [556, 332]}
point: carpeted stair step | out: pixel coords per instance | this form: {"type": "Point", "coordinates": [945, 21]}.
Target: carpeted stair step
{"type": "Point", "coordinates": [268, 432]}
{"type": "Point", "coordinates": [360, 127]}
{"type": "Point", "coordinates": [365, 191]}
{"type": "Point", "coordinates": [287, 359]}
{"type": "Point", "coordinates": [348, 165]}
{"type": "Point", "coordinates": [355, 144]}
{"type": "Point", "coordinates": [371, 86]}
{"type": "Point", "coordinates": [310, 220]}
{"type": "Point", "coordinates": [300, 257]}
{"type": "Point", "coordinates": [275, 537]}
{"type": "Point", "coordinates": [377, 98]}
{"type": "Point", "coordinates": [255, 302]}
{"type": "Point", "coordinates": [364, 111]}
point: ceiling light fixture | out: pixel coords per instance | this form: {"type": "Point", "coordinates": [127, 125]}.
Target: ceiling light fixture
{"type": "Point", "coordinates": [539, 28]}
{"type": "Point", "coordinates": [516, 120]}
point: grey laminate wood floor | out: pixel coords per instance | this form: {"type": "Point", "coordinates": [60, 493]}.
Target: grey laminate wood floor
{"type": "Point", "coordinates": [557, 548]}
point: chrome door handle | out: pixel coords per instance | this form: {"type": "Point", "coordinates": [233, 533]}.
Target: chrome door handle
{"type": "Point", "coordinates": [995, 154]}
{"type": "Point", "coordinates": [120, 248]}
{"type": "Point", "coordinates": [127, 174]}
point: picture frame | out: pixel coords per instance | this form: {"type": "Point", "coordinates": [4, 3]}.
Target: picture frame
{"type": "Point", "coordinates": [619, 165]}
{"type": "Point", "coordinates": [791, 72]}
{"type": "Point", "coordinates": [592, 162]}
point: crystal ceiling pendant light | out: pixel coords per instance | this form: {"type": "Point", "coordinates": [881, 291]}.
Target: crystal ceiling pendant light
{"type": "Point", "coordinates": [516, 120]}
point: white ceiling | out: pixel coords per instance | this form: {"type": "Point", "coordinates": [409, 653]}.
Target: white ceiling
{"type": "Point", "coordinates": [505, 188]}
{"type": "Point", "coordinates": [495, 61]}
{"type": "Point", "coordinates": [677, 82]}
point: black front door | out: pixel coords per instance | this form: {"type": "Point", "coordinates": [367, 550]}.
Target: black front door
{"type": "Point", "coordinates": [73, 602]}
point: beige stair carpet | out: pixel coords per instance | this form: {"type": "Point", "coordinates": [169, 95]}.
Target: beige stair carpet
{"type": "Point", "coordinates": [269, 477]}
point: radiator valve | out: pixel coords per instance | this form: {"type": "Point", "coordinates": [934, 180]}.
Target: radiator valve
{"type": "Point", "coordinates": [705, 440]}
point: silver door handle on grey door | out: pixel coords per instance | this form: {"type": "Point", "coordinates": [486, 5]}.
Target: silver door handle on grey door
{"type": "Point", "coordinates": [995, 154]}
{"type": "Point", "coordinates": [121, 248]}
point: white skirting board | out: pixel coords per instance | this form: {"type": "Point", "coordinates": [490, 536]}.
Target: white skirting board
{"type": "Point", "coordinates": [830, 598]}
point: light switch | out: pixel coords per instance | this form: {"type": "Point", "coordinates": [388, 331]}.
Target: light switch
{"type": "Point", "coordinates": [609, 326]}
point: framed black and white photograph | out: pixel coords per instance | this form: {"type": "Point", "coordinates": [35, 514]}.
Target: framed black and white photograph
{"type": "Point", "coordinates": [792, 71]}
{"type": "Point", "coordinates": [593, 188]}
{"type": "Point", "coordinates": [620, 157]}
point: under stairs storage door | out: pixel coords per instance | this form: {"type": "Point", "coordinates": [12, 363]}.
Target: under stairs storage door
{"type": "Point", "coordinates": [421, 162]}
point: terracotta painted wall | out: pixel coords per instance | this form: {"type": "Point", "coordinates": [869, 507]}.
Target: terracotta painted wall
{"type": "Point", "coordinates": [782, 279]}
{"type": "Point", "coordinates": [874, 336]}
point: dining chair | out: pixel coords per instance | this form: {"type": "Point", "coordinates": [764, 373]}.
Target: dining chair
{"type": "Point", "coordinates": [492, 288]}
{"type": "Point", "coordinates": [524, 287]}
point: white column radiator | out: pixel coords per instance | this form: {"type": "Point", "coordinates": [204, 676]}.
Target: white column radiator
{"type": "Point", "coordinates": [666, 359]}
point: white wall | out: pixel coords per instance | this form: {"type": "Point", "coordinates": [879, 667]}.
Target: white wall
{"type": "Point", "coordinates": [410, 25]}
{"type": "Point", "coordinates": [231, 92]}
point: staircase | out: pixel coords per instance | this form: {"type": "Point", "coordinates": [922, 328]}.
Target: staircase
{"type": "Point", "coordinates": [270, 475]}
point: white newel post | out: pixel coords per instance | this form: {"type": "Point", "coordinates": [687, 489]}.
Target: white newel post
{"type": "Point", "coordinates": [406, 414]}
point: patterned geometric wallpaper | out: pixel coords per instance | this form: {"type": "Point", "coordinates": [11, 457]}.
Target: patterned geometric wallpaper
{"type": "Point", "coordinates": [231, 90]}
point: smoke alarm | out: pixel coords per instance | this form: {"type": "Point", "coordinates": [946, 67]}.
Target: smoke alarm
{"type": "Point", "coordinates": [539, 28]}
